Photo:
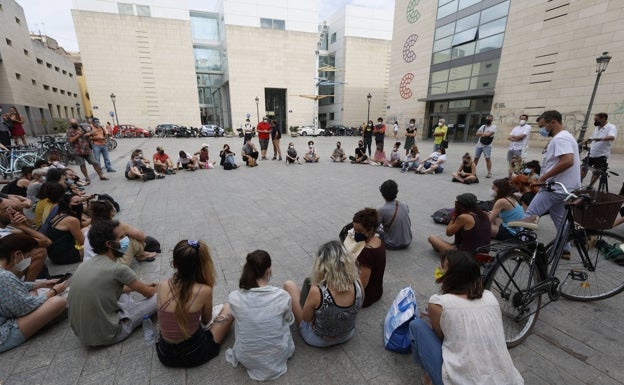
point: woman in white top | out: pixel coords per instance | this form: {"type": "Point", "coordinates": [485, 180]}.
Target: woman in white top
{"type": "Point", "coordinates": [434, 164]}
{"type": "Point", "coordinates": [263, 316]}
{"type": "Point", "coordinates": [465, 343]}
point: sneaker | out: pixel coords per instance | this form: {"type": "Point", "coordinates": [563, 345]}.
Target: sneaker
{"type": "Point", "coordinates": [403, 170]}
{"type": "Point", "coordinates": [111, 170]}
{"type": "Point", "coordinates": [489, 175]}
{"type": "Point", "coordinates": [274, 158]}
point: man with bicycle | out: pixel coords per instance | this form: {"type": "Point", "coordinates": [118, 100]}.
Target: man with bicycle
{"type": "Point", "coordinates": [600, 147]}
{"type": "Point", "coordinates": [561, 163]}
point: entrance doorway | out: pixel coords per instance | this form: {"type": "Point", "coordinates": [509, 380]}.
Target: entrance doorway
{"type": "Point", "coordinates": [275, 106]}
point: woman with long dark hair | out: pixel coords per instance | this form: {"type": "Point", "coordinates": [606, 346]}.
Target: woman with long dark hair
{"type": "Point", "coordinates": [65, 231]}
{"type": "Point", "coordinates": [506, 209]}
{"type": "Point", "coordinates": [372, 259]}
{"type": "Point", "coordinates": [184, 302]}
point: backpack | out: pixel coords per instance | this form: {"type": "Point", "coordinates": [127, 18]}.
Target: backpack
{"type": "Point", "coordinates": [111, 200]}
{"type": "Point", "coordinates": [396, 324]}
{"type": "Point", "coordinates": [443, 216]}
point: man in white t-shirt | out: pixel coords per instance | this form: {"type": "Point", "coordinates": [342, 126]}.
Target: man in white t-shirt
{"type": "Point", "coordinates": [561, 163]}
{"type": "Point", "coordinates": [519, 140]}
{"type": "Point", "coordinates": [484, 144]}
{"type": "Point", "coordinates": [600, 147]}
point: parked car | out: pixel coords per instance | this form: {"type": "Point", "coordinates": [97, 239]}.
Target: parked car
{"type": "Point", "coordinates": [339, 130]}
{"type": "Point", "coordinates": [167, 129]}
{"type": "Point", "coordinates": [311, 131]}
{"type": "Point", "coordinates": [211, 130]}
{"type": "Point", "coordinates": [131, 131]}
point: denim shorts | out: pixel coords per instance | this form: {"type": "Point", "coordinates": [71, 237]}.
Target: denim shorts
{"type": "Point", "coordinates": [486, 150]}
{"type": "Point", "coordinates": [14, 339]}
{"type": "Point", "coordinates": [308, 335]}
{"type": "Point", "coordinates": [198, 349]}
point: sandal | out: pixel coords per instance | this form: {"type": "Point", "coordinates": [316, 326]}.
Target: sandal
{"type": "Point", "coordinates": [150, 259]}
{"type": "Point", "coordinates": [87, 182]}
{"type": "Point", "coordinates": [489, 175]}
{"type": "Point", "coordinates": [565, 255]}
{"type": "Point", "coordinates": [103, 178]}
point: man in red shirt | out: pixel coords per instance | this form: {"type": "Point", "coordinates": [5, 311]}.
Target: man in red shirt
{"type": "Point", "coordinates": [162, 162]}
{"type": "Point", "coordinates": [264, 134]}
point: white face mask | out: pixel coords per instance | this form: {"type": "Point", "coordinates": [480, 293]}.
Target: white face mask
{"type": "Point", "coordinates": [492, 193]}
{"type": "Point", "coordinates": [440, 124]}
{"type": "Point", "coordinates": [411, 125]}
{"type": "Point", "coordinates": [23, 265]}
{"type": "Point", "coordinates": [522, 122]}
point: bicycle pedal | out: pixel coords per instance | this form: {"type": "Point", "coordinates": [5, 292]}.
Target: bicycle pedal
{"type": "Point", "coordinates": [578, 275]}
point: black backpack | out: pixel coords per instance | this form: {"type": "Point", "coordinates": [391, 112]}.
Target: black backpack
{"type": "Point", "coordinates": [443, 216]}
{"type": "Point", "coordinates": [111, 200]}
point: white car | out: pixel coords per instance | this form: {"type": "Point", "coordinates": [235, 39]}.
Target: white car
{"type": "Point", "coordinates": [311, 130]}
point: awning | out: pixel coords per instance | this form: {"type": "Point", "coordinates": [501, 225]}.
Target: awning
{"type": "Point", "coordinates": [316, 97]}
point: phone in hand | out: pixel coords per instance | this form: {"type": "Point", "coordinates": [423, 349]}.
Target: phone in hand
{"type": "Point", "coordinates": [64, 278]}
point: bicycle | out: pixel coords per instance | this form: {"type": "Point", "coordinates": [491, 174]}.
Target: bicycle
{"type": "Point", "coordinates": [525, 270]}
{"type": "Point", "coordinates": [12, 161]}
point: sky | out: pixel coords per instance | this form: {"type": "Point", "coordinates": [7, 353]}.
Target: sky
{"type": "Point", "coordinates": [53, 17]}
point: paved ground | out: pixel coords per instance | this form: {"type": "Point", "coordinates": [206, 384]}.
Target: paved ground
{"type": "Point", "coordinates": [289, 211]}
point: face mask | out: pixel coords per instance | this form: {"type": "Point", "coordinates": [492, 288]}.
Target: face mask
{"type": "Point", "coordinates": [338, 145]}
{"type": "Point", "coordinates": [137, 159]}
{"type": "Point", "coordinates": [43, 179]}
{"type": "Point", "coordinates": [488, 121]}
{"type": "Point", "coordinates": [124, 243]}
{"type": "Point", "coordinates": [291, 146]}
{"type": "Point", "coordinates": [77, 208]}
{"type": "Point", "coordinates": [543, 132]}
{"type": "Point", "coordinates": [597, 123]}
{"type": "Point", "coordinates": [74, 126]}
{"type": "Point", "coordinates": [527, 171]}
{"type": "Point", "coordinates": [411, 125]}
{"type": "Point", "coordinates": [492, 193]}
{"type": "Point", "coordinates": [23, 265]}
{"type": "Point", "coordinates": [69, 181]}
{"type": "Point", "coordinates": [440, 124]}
{"type": "Point", "coordinates": [370, 124]}
{"type": "Point", "coordinates": [161, 152]}
{"type": "Point", "coordinates": [522, 122]}
{"type": "Point", "coordinates": [359, 237]}
{"type": "Point", "coordinates": [438, 273]}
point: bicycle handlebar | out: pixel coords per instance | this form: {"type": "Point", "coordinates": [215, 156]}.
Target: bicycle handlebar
{"type": "Point", "coordinates": [548, 185]}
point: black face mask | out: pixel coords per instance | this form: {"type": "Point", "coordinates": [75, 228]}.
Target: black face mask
{"type": "Point", "coordinates": [74, 126]}
{"type": "Point", "coordinates": [488, 121]}
{"type": "Point", "coordinates": [597, 123]}
{"type": "Point", "coordinates": [77, 209]}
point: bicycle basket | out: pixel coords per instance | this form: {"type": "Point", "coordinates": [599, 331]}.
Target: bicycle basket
{"type": "Point", "coordinates": [600, 213]}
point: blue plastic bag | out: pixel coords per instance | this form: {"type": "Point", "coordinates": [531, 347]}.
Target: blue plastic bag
{"type": "Point", "coordinates": [396, 324]}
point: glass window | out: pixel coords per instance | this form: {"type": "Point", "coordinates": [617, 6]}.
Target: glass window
{"type": "Point", "coordinates": [204, 28]}
{"type": "Point", "coordinates": [485, 68]}
{"type": "Point", "coordinates": [460, 72]}
{"type": "Point", "coordinates": [463, 50]}
{"type": "Point", "coordinates": [459, 85]}
{"type": "Point", "coordinates": [490, 43]}
{"type": "Point", "coordinates": [467, 22]}
{"type": "Point", "coordinates": [333, 38]}
{"type": "Point", "coordinates": [279, 24]}
{"type": "Point", "coordinates": [467, 3]}
{"type": "Point", "coordinates": [445, 30]}
{"type": "Point", "coordinates": [266, 23]}
{"type": "Point", "coordinates": [442, 56]}
{"type": "Point", "coordinates": [489, 29]}
{"type": "Point", "coordinates": [439, 76]}
{"type": "Point", "coordinates": [207, 59]}
{"type": "Point", "coordinates": [447, 9]}
{"type": "Point", "coordinates": [495, 12]}
{"type": "Point", "coordinates": [438, 88]}
{"type": "Point", "coordinates": [205, 95]}
{"type": "Point", "coordinates": [125, 9]}
{"type": "Point", "coordinates": [480, 82]}
{"type": "Point", "coordinates": [464, 37]}
{"type": "Point", "coordinates": [143, 10]}
{"type": "Point", "coordinates": [442, 44]}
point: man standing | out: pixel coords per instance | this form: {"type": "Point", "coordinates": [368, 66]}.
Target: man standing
{"type": "Point", "coordinates": [439, 134]}
{"type": "Point", "coordinates": [248, 131]}
{"type": "Point", "coordinates": [78, 137]}
{"type": "Point", "coordinates": [101, 311]}
{"type": "Point", "coordinates": [98, 140]}
{"type": "Point", "coordinates": [600, 147]}
{"type": "Point", "coordinates": [264, 133]}
{"type": "Point", "coordinates": [484, 144]}
{"type": "Point", "coordinates": [380, 133]}
{"type": "Point", "coordinates": [276, 135]}
{"type": "Point", "coordinates": [394, 217]}
{"type": "Point", "coordinates": [561, 163]}
{"type": "Point", "coordinates": [519, 139]}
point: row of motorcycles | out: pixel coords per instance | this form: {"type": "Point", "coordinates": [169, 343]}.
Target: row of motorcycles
{"type": "Point", "coordinates": [186, 132]}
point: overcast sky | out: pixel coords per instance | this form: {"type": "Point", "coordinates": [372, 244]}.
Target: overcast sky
{"type": "Point", "coordinates": [53, 17]}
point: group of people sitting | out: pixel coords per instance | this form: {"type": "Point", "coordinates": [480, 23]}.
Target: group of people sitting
{"type": "Point", "coordinates": [139, 167]}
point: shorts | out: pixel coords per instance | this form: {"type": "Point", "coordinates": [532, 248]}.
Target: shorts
{"type": "Point", "coordinates": [313, 339]}
{"type": "Point", "coordinates": [598, 163]}
{"type": "Point", "coordinates": [485, 150]}
{"type": "Point", "coordinates": [438, 170]}
{"type": "Point", "coordinates": [504, 234]}
{"type": "Point", "coordinates": [197, 350]}
{"type": "Point", "coordinates": [80, 159]}
{"type": "Point", "coordinates": [264, 144]}
{"type": "Point", "coordinates": [14, 339]}
{"type": "Point", "coordinates": [512, 153]}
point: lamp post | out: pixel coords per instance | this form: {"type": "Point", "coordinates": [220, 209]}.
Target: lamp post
{"type": "Point", "coordinates": [113, 98]}
{"type": "Point", "coordinates": [78, 109]}
{"type": "Point", "coordinates": [368, 98]}
{"type": "Point", "coordinates": [257, 99]}
{"type": "Point", "coordinates": [601, 66]}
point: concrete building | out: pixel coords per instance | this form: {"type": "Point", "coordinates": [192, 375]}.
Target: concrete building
{"type": "Point", "coordinates": [35, 75]}
{"type": "Point", "coordinates": [463, 59]}
{"type": "Point", "coordinates": [355, 48]}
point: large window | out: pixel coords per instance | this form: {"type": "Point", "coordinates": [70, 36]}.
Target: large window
{"type": "Point", "coordinates": [204, 27]}
{"type": "Point", "coordinates": [463, 78]}
{"type": "Point", "coordinates": [207, 59]}
{"type": "Point", "coordinates": [272, 23]}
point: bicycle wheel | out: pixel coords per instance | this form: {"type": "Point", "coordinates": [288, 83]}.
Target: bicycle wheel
{"type": "Point", "coordinates": [23, 161]}
{"type": "Point", "coordinates": [57, 154]}
{"type": "Point", "coordinates": [508, 281]}
{"type": "Point", "coordinates": [579, 282]}
{"type": "Point", "coordinates": [111, 144]}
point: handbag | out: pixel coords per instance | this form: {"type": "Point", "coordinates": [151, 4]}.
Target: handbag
{"type": "Point", "coordinates": [396, 324]}
{"type": "Point", "coordinates": [444, 144]}
{"type": "Point", "coordinates": [485, 140]}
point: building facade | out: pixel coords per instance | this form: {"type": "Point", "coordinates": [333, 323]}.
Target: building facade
{"type": "Point", "coordinates": [36, 76]}
{"type": "Point", "coordinates": [464, 59]}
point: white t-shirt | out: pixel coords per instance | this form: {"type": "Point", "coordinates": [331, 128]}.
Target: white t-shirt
{"type": "Point", "coordinates": [602, 148]}
{"type": "Point", "coordinates": [438, 158]}
{"type": "Point", "coordinates": [474, 350]}
{"type": "Point", "coordinates": [186, 160]}
{"type": "Point", "coordinates": [521, 144]}
{"type": "Point", "coordinates": [485, 128]}
{"type": "Point", "coordinates": [561, 144]}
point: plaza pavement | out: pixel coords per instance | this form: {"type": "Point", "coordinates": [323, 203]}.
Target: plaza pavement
{"type": "Point", "coordinates": [290, 211]}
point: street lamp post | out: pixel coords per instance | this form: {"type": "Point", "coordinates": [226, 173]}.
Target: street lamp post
{"type": "Point", "coordinates": [368, 98]}
{"type": "Point", "coordinates": [601, 66]}
{"type": "Point", "coordinates": [78, 109]}
{"type": "Point", "coordinates": [113, 98]}
{"type": "Point", "coordinates": [257, 99]}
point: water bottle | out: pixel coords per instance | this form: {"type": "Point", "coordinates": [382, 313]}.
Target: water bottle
{"type": "Point", "coordinates": [148, 330]}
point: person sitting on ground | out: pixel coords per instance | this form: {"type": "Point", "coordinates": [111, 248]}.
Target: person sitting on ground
{"type": "Point", "coordinates": [38, 178]}
{"type": "Point", "coordinates": [372, 258]}
{"type": "Point", "coordinates": [262, 315]}
{"type": "Point", "coordinates": [184, 303]}
{"type": "Point", "coordinates": [20, 185]}
{"type": "Point", "coordinates": [162, 163]}
{"type": "Point", "coordinates": [228, 160]}
{"type": "Point", "coordinates": [23, 313]}
{"type": "Point", "coordinates": [506, 209]}
{"type": "Point", "coordinates": [69, 180]}
{"type": "Point", "coordinates": [136, 168]}
{"type": "Point", "coordinates": [55, 161]}
{"type": "Point", "coordinates": [65, 231]}
{"type": "Point", "coordinates": [310, 155]}
{"type": "Point", "coordinates": [379, 158]}
{"type": "Point", "coordinates": [394, 218]}
{"type": "Point", "coordinates": [49, 195]}
{"type": "Point", "coordinates": [412, 161]}
{"type": "Point", "coordinates": [203, 158]}
{"type": "Point", "coordinates": [434, 162]}
{"type": "Point", "coordinates": [186, 161]}
{"type": "Point", "coordinates": [469, 224]}
{"type": "Point", "coordinates": [467, 171]}
{"type": "Point", "coordinates": [101, 310]}
{"type": "Point", "coordinates": [533, 170]}
{"type": "Point", "coordinates": [465, 343]}
{"type": "Point", "coordinates": [250, 154]}
{"type": "Point", "coordinates": [327, 309]}
{"type": "Point", "coordinates": [395, 156]}
{"type": "Point", "coordinates": [291, 154]}
{"type": "Point", "coordinates": [338, 155]}
{"type": "Point", "coordinates": [104, 210]}
{"type": "Point", "coordinates": [524, 190]}
{"type": "Point", "coordinates": [360, 154]}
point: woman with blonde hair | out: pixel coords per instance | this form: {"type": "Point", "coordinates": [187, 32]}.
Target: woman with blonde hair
{"type": "Point", "coordinates": [467, 171]}
{"type": "Point", "coordinates": [412, 161]}
{"type": "Point", "coordinates": [184, 304]}
{"type": "Point", "coordinates": [335, 297]}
